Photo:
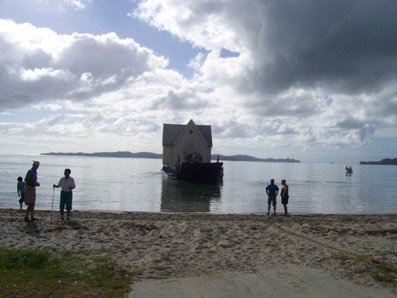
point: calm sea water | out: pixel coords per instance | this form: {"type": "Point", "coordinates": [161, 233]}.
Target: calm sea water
{"type": "Point", "coordinates": [128, 184]}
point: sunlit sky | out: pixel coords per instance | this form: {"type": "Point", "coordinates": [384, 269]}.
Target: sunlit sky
{"type": "Point", "coordinates": [311, 80]}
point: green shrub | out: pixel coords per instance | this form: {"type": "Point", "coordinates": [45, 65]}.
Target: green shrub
{"type": "Point", "coordinates": [39, 273]}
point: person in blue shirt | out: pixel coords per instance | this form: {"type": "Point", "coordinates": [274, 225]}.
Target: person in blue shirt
{"type": "Point", "coordinates": [30, 190]}
{"type": "Point", "coordinates": [21, 192]}
{"type": "Point", "coordinates": [272, 192]}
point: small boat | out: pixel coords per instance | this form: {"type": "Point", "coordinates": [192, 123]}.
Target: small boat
{"type": "Point", "coordinates": [187, 153]}
{"type": "Point", "coordinates": [169, 172]}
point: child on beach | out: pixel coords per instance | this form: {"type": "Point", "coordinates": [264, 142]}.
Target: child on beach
{"type": "Point", "coordinates": [67, 185]}
{"type": "Point", "coordinates": [21, 191]}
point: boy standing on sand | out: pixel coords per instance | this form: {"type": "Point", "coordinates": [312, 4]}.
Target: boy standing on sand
{"type": "Point", "coordinates": [21, 192]}
{"type": "Point", "coordinates": [272, 192]}
{"type": "Point", "coordinates": [30, 190]}
{"type": "Point", "coordinates": [67, 184]}
{"type": "Point", "coordinates": [284, 195]}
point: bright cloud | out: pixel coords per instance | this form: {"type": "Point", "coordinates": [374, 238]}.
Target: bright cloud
{"type": "Point", "coordinates": [41, 66]}
{"type": "Point", "coordinates": [63, 4]}
{"type": "Point", "coordinates": [77, 4]}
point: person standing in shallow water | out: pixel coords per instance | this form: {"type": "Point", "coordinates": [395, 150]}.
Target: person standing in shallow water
{"type": "Point", "coordinates": [272, 192]}
{"type": "Point", "coordinates": [284, 195]}
{"type": "Point", "coordinates": [67, 185]}
{"type": "Point", "coordinates": [30, 190]}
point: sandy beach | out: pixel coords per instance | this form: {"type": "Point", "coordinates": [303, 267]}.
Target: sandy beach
{"type": "Point", "coordinates": [205, 255]}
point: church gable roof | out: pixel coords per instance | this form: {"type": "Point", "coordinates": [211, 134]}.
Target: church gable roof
{"type": "Point", "coordinates": [172, 131]}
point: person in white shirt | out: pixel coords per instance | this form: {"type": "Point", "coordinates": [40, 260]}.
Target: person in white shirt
{"type": "Point", "coordinates": [67, 185]}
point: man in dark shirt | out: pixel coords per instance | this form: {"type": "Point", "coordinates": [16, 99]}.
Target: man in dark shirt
{"type": "Point", "coordinates": [272, 192]}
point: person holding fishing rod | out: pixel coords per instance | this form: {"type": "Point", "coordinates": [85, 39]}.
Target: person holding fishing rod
{"type": "Point", "coordinates": [66, 184]}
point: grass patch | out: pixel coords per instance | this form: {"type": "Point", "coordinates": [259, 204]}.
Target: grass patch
{"type": "Point", "coordinates": [40, 273]}
{"type": "Point", "coordinates": [367, 264]}
{"type": "Point", "coordinates": [103, 259]}
{"type": "Point", "coordinates": [384, 278]}
{"type": "Point", "coordinates": [357, 258]}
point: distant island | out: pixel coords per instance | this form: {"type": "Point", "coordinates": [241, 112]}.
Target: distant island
{"type": "Point", "coordinates": [128, 154]}
{"type": "Point", "coordinates": [109, 154]}
{"type": "Point", "coordinates": [385, 161]}
{"type": "Point", "coordinates": [240, 157]}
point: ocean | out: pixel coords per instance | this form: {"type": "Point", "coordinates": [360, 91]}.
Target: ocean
{"type": "Point", "coordinates": [132, 184]}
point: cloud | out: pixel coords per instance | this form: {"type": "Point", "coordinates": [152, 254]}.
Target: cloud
{"type": "Point", "coordinates": [324, 71]}
{"type": "Point", "coordinates": [38, 65]}
{"type": "Point", "coordinates": [77, 4]}
{"type": "Point", "coordinates": [290, 43]}
{"type": "Point", "coordinates": [62, 5]}
{"type": "Point", "coordinates": [296, 75]}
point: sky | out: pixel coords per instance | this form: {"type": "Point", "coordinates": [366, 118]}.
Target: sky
{"type": "Point", "coordinates": [311, 80]}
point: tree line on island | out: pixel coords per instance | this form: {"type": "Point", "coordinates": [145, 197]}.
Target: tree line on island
{"type": "Point", "coordinates": [385, 161]}
{"type": "Point", "coordinates": [127, 154]}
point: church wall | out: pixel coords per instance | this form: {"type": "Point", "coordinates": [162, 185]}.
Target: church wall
{"type": "Point", "coordinates": [192, 141]}
{"type": "Point", "coordinates": [168, 155]}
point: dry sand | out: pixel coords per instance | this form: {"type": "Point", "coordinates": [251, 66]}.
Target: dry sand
{"type": "Point", "coordinates": [204, 255]}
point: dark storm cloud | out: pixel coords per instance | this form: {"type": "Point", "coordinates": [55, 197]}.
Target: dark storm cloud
{"type": "Point", "coordinates": [343, 46]}
{"type": "Point", "coordinates": [347, 46]}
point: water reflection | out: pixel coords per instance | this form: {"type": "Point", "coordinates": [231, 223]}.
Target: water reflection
{"type": "Point", "coordinates": [181, 196]}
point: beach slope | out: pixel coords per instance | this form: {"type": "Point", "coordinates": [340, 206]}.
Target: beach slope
{"type": "Point", "coordinates": [240, 251]}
